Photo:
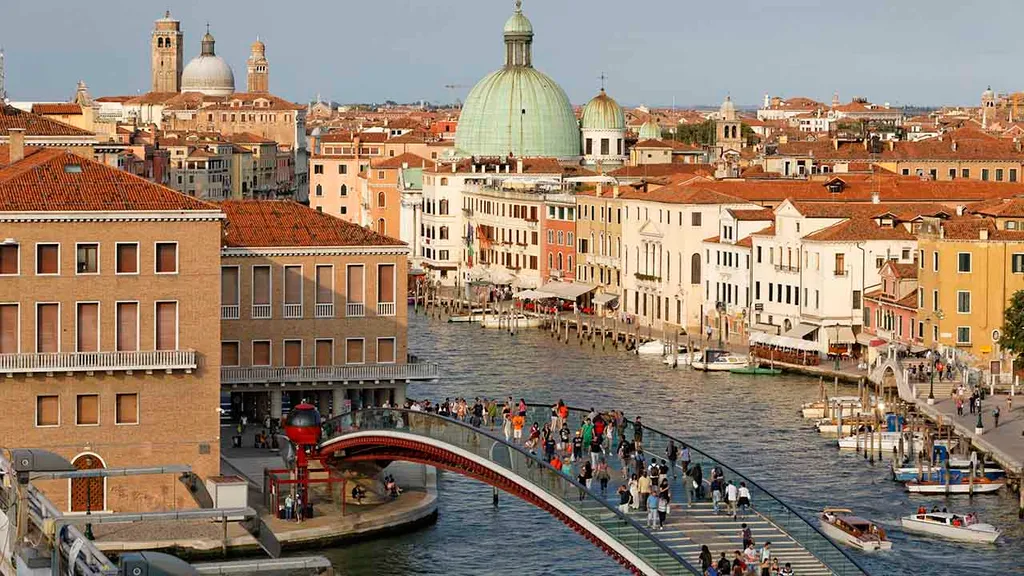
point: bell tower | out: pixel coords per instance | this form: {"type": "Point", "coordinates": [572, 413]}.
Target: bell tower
{"type": "Point", "coordinates": [167, 54]}
{"type": "Point", "coordinates": [258, 73]}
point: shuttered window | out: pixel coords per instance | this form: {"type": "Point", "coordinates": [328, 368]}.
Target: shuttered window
{"type": "Point", "coordinates": [88, 325]}
{"type": "Point", "coordinates": [261, 284]}
{"type": "Point", "coordinates": [166, 257]}
{"type": "Point", "coordinates": [126, 409]}
{"type": "Point", "coordinates": [166, 325]}
{"type": "Point", "coordinates": [293, 284]}
{"type": "Point", "coordinates": [48, 328]}
{"type": "Point", "coordinates": [354, 284]}
{"type": "Point", "coordinates": [9, 254]}
{"type": "Point", "coordinates": [324, 353]}
{"type": "Point", "coordinates": [47, 411]}
{"type": "Point", "coordinates": [48, 259]}
{"type": "Point", "coordinates": [87, 410]}
{"type": "Point", "coordinates": [8, 328]}
{"type": "Point", "coordinates": [127, 326]}
{"type": "Point", "coordinates": [354, 351]}
{"type": "Point", "coordinates": [386, 283]}
{"type": "Point", "coordinates": [127, 259]}
{"type": "Point", "coordinates": [324, 284]}
{"type": "Point", "coordinates": [229, 286]}
{"type": "Point", "coordinates": [229, 353]}
{"type": "Point", "coordinates": [385, 350]}
{"type": "Point", "coordinates": [261, 353]}
{"type": "Point", "coordinates": [293, 352]}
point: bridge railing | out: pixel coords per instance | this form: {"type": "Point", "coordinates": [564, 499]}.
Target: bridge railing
{"type": "Point", "coordinates": [801, 529]}
{"type": "Point", "coordinates": [564, 489]}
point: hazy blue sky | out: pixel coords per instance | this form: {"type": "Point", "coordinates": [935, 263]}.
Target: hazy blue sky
{"type": "Point", "coordinates": [900, 51]}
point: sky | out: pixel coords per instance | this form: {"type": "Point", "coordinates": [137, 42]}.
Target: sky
{"type": "Point", "coordinates": [654, 52]}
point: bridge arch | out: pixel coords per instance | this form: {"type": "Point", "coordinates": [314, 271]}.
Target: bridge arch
{"type": "Point", "coordinates": [429, 439]}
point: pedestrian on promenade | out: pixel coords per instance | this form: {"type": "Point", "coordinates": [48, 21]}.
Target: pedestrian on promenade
{"type": "Point", "coordinates": [744, 498]}
{"type": "Point", "coordinates": [766, 559]}
{"type": "Point", "coordinates": [731, 497]}
{"type": "Point", "coordinates": [564, 436]}
{"type": "Point", "coordinates": [672, 453]}
{"type": "Point", "coordinates": [506, 426]}
{"type": "Point", "coordinates": [595, 450]}
{"type": "Point", "coordinates": [644, 486]}
{"type": "Point", "coordinates": [624, 499]}
{"type": "Point", "coordinates": [716, 493]}
{"type": "Point", "coordinates": [577, 446]}
{"type": "Point", "coordinates": [518, 421]}
{"type": "Point", "coordinates": [638, 435]}
{"type": "Point", "coordinates": [995, 416]}
{"type": "Point", "coordinates": [651, 505]}
{"type": "Point", "coordinates": [959, 406]}
{"type": "Point", "coordinates": [634, 492]}
{"type": "Point", "coordinates": [746, 536]}
{"type": "Point", "coordinates": [705, 558]}
{"type": "Point", "coordinates": [662, 506]}
{"type": "Point", "coordinates": [723, 566]}
{"type": "Point", "coordinates": [601, 473]}
{"type": "Point", "coordinates": [974, 396]}
{"type": "Point", "coordinates": [686, 459]}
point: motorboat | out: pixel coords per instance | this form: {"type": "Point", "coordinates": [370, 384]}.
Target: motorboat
{"type": "Point", "coordinates": [950, 526]}
{"type": "Point", "coordinates": [830, 426]}
{"type": "Point", "coordinates": [908, 473]}
{"type": "Point", "coordinates": [841, 525]}
{"type": "Point", "coordinates": [475, 315]}
{"type": "Point", "coordinates": [890, 441]}
{"type": "Point", "coordinates": [511, 321]}
{"type": "Point", "coordinates": [961, 485]}
{"type": "Point", "coordinates": [850, 405]}
{"type": "Point", "coordinates": [682, 359]}
{"type": "Point", "coordinates": [756, 371]}
{"type": "Point", "coordinates": [657, 347]}
{"type": "Point", "coordinates": [720, 361]}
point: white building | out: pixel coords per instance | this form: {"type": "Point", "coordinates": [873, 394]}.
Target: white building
{"type": "Point", "coordinates": [729, 267]}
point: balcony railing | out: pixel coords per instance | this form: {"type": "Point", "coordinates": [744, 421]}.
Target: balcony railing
{"type": "Point", "coordinates": [229, 312]}
{"type": "Point", "coordinates": [363, 373]}
{"type": "Point", "coordinates": [293, 310]}
{"type": "Point", "coordinates": [261, 311]}
{"type": "Point", "coordinates": [385, 309]}
{"type": "Point", "coordinates": [784, 268]}
{"type": "Point", "coordinates": [841, 272]}
{"type": "Point", "coordinates": [98, 361]}
{"type": "Point", "coordinates": [325, 310]}
{"type": "Point", "coordinates": [355, 309]}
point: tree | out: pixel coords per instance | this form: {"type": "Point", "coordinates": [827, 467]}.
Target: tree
{"type": "Point", "coordinates": [702, 134]}
{"type": "Point", "coordinates": [1012, 332]}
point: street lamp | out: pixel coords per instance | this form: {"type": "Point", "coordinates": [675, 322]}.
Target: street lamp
{"type": "Point", "coordinates": [720, 308]}
{"type": "Point", "coordinates": [931, 379]}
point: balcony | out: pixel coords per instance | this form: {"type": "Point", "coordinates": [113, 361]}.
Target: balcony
{"type": "Point", "coordinates": [355, 309]}
{"type": "Point", "coordinates": [325, 310]}
{"type": "Point", "coordinates": [261, 311]}
{"type": "Point", "coordinates": [71, 362]}
{"type": "Point", "coordinates": [385, 309]}
{"type": "Point", "coordinates": [783, 268]}
{"type": "Point", "coordinates": [306, 374]}
{"type": "Point", "coordinates": [841, 272]}
{"type": "Point", "coordinates": [293, 310]}
{"type": "Point", "coordinates": [230, 312]}
{"type": "Point", "coordinates": [467, 212]}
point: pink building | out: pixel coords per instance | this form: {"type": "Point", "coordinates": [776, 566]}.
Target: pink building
{"type": "Point", "coordinates": [890, 311]}
{"type": "Point", "coordinates": [558, 244]}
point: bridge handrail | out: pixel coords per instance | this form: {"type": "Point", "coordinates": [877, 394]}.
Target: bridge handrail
{"type": "Point", "coordinates": [667, 562]}
{"type": "Point", "coordinates": [824, 548]}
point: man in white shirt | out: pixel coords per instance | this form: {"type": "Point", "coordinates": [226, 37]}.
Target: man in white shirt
{"type": "Point", "coordinates": [731, 496]}
{"type": "Point", "coordinates": [744, 497]}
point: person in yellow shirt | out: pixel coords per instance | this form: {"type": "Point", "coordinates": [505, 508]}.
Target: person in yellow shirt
{"type": "Point", "coordinates": [518, 421]}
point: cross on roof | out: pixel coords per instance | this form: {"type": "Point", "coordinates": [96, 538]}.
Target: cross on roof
{"type": "Point", "coordinates": [603, 78]}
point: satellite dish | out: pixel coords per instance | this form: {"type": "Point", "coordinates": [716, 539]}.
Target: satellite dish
{"type": "Point", "coordinates": [288, 453]}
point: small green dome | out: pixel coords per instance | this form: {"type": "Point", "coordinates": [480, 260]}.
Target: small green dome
{"type": "Point", "coordinates": [603, 113]}
{"type": "Point", "coordinates": [521, 111]}
{"type": "Point", "coordinates": [650, 130]}
{"type": "Point", "coordinates": [518, 23]}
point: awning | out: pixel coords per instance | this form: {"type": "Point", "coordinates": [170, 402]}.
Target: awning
{"type": "Point", "coordinates": [767, 328]}
{"type": "Point", "coordinates": [532, 295]}
{"type": "Point", "coordinates": [840, 335]}
{"type": "Point", "coordinates": [605, 298]}
{"type": "Point", "coordinates": [771, 340]}
{"type": "Point", "coordinates": [801, 330]}
{"type": "Point", "coordinates": [916, 349]}
{"type": "Point", "coordinates": [567, 290]}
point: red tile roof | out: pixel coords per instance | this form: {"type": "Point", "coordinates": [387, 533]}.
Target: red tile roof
{"type": "Point", "coordinates": [858, 230]}
{"type": "Point", "coordinates": [61, 108]}
{"type": "Point", "coordinates": [970, 227]}
{"type": "Point", "coordinates": [5, 153]}
{"type": "Point", "coordinates": [34, 124]}
{"type": "Point", "coordinates": [283, 223]}
{"type": "Point", "coordinates": [906, 271]}
{"type": "Point", "coordinates": [753, 215]}
{"type": "Point", "coordinates": [662, 170]}
{"type": "Point", "coordinates": [652, 144]}
{"type": "Point", "coordinates": [901, 211]}
{"type": "Point", "coordinates": [397, 162]}
{"type": "Point", "coordinates": [1001, 208]}
{"type": "Point", "coordinates": [682, 194]}
{"type": "Point", "coordinates": [53, 180]}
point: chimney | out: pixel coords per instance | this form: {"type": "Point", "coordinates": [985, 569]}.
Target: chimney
{"type": "Point", "coordinates": [835, 143]}
{"type": "Point", "coordinates": [983, 234]}
{"type": "Point", "coordinates": [519, 165]}
{"type": "Point", "coordinates": [875, 198]}
{"type": "Point", "coordinates": [892, 145]}
{"type": "Point", "coordinates": [600, 190]}
{"type": "Point", "coordinates": [615, 191]}
{"type": "Point", "coordinates": [954, 145]}
{"type": "Point", "coordinates": [16, 143]}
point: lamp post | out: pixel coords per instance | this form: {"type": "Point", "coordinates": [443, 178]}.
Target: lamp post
{"type": "Point", "coordinates": [979, 426]}
{"type": "Point", "coordinates": [720, 308]}
{"type": "Point", "coordinates": [931, 379]}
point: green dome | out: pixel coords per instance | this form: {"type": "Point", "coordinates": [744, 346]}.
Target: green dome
{"type": "Point", "coordinates": [518, 23]}
{"type": "Point", "coordinates": [603, 113]}
{"type": "Point", "coordinates": [650, 130]}
{"type": "Point", "coordinates": [521, 111]}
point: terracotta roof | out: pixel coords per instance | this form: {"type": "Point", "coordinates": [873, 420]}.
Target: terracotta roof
{"type": "Point", "coordinates": [901, 211]}
{"type": "Point", "coordinates": [906, 271]}
{"type": "Point", "coordinates": [53, 180]}
{"type": "Point", "coordinates": [61, 108]}
{"type": "Point", "coordinates": [747, 241]}
{"type": "Point", "coordinates": [970, 227]}
{"type": "Point", "coordinates": [280, 223]}
{"type": "Point", "coordinates": [413, 137]}
{"type": "Point", "coordinates": [652, 144]}
{"type": "Point", "coordinates": [247, 138]}
{"type": "Point", "coordinates": [963, 144]}
{"type": "Point", "coordinates": [114, 98]}
{"type": "Point", "coordinates": [769, 231]}
{"type": "Point", "coordinates": [5, 153]}
{"type": "Point", "coordinates": [859, 229]}
{"type": "Point", "coordinates": [661, 170]}
{"type": "Point", "coordinates": [412, 160]}
{"type": "Point", "coordinates": [1001, 208]}
{"type": "Point", "coordinates": [753, 215]}
{"type": "Point", "coordinates": [35, 125]}
{"type": "Point", "coordinates": [713, 240]}
{"type": "Point", "coordinates": [681, 194]}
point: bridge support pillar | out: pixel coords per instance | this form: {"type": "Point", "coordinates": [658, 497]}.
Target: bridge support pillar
{"type": "Point", "coordinates": [400, 395]}
{"type": "Point", "coordinates": [275, 404]}
{"type": "Point", "coordinates": [494, 497]}
{"type": "Point", "coordinates": [338, 399]}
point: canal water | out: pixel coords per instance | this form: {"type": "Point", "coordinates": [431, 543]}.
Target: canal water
{"type": "Point", "coordinates": [751, 423]}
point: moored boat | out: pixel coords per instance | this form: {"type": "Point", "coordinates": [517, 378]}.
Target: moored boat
{"type": "Point", "coordinates": [961, 485]}
{"type": "Point", "coordinates": [841, 525]}
{"type": "Point", "coordinates": [756, 371]}
{"type": "Point", "coordinates": [720, 361]}
{"type": "Point", "coordinates": [890, 441]}
{"type": "Point", "coordinates": [850, 406]}
{"type": "Point", "coordinates": [908, 473]}
{"type": "Point", "coordinates": [475, 315]}
{"type": "Point", "coordinates": [510, 321]}
{"type": "Point", "coordinates": [950, 526]}
{"type": "Point", "coordinates": [682, 359]}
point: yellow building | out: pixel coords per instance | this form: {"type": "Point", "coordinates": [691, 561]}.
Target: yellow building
{"type": "Point", "coordinates": [599, 241]}
{"type": "Point", "coordinates": [970, 267]}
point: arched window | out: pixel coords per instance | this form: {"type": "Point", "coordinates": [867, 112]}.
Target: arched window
{"type": "Point", "coordinates": [444, 233]}
{"type": "Point", "coordinates": [569, 267]}
{"type": "Point", "coordinates": [559, 260]}
{"type": "Point", "coordinates": [159, 42]}
{"type": "Point", "coordinates": [380, 200]}
{"type": "Point", "coordinates": [695, 268]}
{"type": "Point", "coordinates": [344, 190]}
{"type": "Point", "coordinates": [381, 228]}
{"type": "Point", "coordinates": [734, 131]}
{"type": "Point", "coordinates": [319, 190]}
{"type": "Point", "coordinates": [443, 208]}
{"type": "Point", "coordinates": [551, 261]}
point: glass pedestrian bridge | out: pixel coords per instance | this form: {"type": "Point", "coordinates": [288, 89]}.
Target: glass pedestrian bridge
{"type": "Point", "coordinates": [390, 434]}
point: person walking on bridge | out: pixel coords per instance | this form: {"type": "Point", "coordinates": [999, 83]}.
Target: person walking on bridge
{"type": "Point", "coordinates": [672, 453]}
{"type": "Point", "coordinates": [638, 434]}
{"type": "Point", "coordinates": [506, 426]}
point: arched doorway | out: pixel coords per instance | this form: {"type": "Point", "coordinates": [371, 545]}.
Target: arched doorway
{"type": "Point", "coordinates": [88, 494]}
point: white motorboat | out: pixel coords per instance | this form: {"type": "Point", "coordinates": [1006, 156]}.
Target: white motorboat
{"type": "Point", "coordinates": [850, 405]}
{"type": "Point", "coordinates": [908, 473]}
{"type": "Point", "coordinates": [890, 441]}
{"type": "Point", "coordinates": [842, 526]}
{"type": "Point", "coordinates": [657, 347]}
{"type": "Point", "coordinates": [720, 361]}
{"type": "Point", "coordinates": [981, 485]}
{"type": "Point", "coordinates": [507, 321]}
{"type": "Point", "coordinates": [683, 358]}
{"type": "Point", "coordinates": [475, 315]}
{"type": "Point", "coordinates": [950, 526]}
{"type": "Point", "coordinates": [830, 427]}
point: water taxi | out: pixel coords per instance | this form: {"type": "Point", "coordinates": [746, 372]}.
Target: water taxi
{"type": "Point", "coordinates": [956, 485]}
{"type": "Point", "coordinates": [510, 321]}
{"type": "Point", "coordinates": [657, 347]}
{"type": "Point", "coordinates": [890, 441]}
{"type": "Point", "coordinates": [683, 359]}
{"type": "Point", "coordinates": [475, 315]}
{"type": "Point", "coordinates": [908, 473]}
{"type": "Point", "coordinates": [720, 361]}
{"type": "Point", "coordinates": [950, 526]}
{"type": "Point", "coordinates": [842, 526]}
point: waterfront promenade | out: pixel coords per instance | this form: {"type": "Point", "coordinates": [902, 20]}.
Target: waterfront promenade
{"type": "Point", "coordinates": [1005, 442]}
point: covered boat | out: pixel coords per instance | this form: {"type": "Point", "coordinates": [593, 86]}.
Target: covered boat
{"type": "Point", "coordinates": [960, 485]}
{"type": "Point", "coordinates": [720, 361]}
{"type": "Point", "coordinates": [841, 525]}
{"type": "Point", "coordinates": [950, 526]}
